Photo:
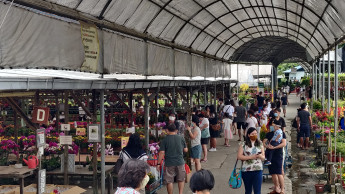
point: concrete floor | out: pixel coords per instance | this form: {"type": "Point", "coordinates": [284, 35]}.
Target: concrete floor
{"type": "Point", "coordinates": [221, 163]}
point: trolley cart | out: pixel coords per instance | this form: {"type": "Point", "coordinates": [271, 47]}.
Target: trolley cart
{"type": "Point", "coordinates": [158, 183]}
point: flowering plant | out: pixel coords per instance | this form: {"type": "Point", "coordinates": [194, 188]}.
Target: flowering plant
{"type": "Point", "coordinates": [109, 150]}
{"type": "Point", "coordinates": [154, 148]}
{"type": "Point", "coordinates": [7, 147]}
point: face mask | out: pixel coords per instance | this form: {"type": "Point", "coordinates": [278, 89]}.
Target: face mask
{"type": "Point", "coordinates": [171, 118]}
{"type": "Point", "coordinates": [144, 182]}
{"type": "Point", "coordinates": [192, 125]}
{"type": "Point", "coordinates": [253, 138]}
{"type": "Point", "coordinates": [275, 114]}
{"type": "Point", "coordinates": [271, 128]}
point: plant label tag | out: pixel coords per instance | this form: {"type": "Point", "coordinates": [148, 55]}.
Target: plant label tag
{"type": "Point", "coordinates": [65, 127]}
{"type": "Point", "coordinates": [66, 140]}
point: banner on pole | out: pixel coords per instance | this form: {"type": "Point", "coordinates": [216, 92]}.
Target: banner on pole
{"type": "Point", "coordinates": [89, 37]}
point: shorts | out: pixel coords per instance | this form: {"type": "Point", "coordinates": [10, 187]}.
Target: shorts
{"type": "Point", "coordinates": [196, 152]}
{"type": "Point", "coordinates": [204, 141]}
{"type": "Point", "coordinates": [172, 171]}
{"type": "Point", "coordinates": [304, 131]}
{"type": "Point", "coordinates": [284, 107]}
{"type": "Point", "coordinates": [240, 125]}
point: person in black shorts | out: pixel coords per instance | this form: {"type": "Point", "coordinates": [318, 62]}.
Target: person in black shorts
{"type": "Point", "coordinates": [241, 113]}
{"type": "Point", "coordinates": [304, 123]}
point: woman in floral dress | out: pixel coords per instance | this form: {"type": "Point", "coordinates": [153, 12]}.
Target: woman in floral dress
{"type": "Point", "coordinates": [251, 152]}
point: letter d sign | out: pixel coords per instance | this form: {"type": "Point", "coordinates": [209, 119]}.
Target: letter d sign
{"type": "Point", "coordinates": [40, 115]}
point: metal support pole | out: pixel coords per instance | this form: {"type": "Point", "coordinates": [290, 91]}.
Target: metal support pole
{"type": "Point", "coordinates": [215, 97]}
{"type": "Point", "coordinates": [323, 83]}
{"type": "Point", "coordinates": [66, 111]}
{"type": "Point", "coordinates": [312, 86]}
{"type": "Point", "coordinates": [174, 99]}
{"type": "Point", "coordinates": [238, 81]}
{"type": "Point", "coordinates": [320, 89]}
{"type": "Point", "coordinates": [336, 91]}
{"type": "Point", "coordinates": [205, 95]}
{"type": "Point", "coordinates": [102, 142]}
{"type": "Point", "coordinates": [272, 85]}
{"type": "Point", "coordinates": [223, 94]}
{"type": "Point", "coordinates": [329, 83]}
{"type": "Point", "coordinates": [316, 80]}
{"type": "Point", "coordinates": [146, 117]}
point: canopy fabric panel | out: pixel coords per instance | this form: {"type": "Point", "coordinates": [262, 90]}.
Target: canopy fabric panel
{"type": "Point", "coordinates": [211, 68]}
{"type": "Point", "coordinates": [160, 60]}
{"type": "Point", "coordinates": [123, 55]}
{"type": "Point", "coordinates": [183, 64]}
{"type": "Point", "coordinates": [31, 40]}
{"type": "Point", "coordinates": [198, 66]}
{"type": "Point", "coordinates": [227, 71]}
{"type": "Point", "coordinates": [221, 27]}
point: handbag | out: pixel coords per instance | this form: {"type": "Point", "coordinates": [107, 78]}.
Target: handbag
{"type": "Point", "coordinates": [216, 127]}
{"type": "Point", "coordinates": [118, 165]}
{"type": "Point", "coordinates": [235, 181]}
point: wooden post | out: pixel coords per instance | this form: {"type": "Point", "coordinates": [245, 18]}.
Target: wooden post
{"type": "Point", "coordinates": [57, 114]}
{"type": "Point", "coordinates": [15, 122]}
{"type": "Point", "coordinates": [131, 119]}
{"type": "Point", "coordinates": [66, 111]}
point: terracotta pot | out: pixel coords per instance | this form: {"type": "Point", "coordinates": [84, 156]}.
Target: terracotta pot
{"type": "Point", "coordinates": [319, 188]}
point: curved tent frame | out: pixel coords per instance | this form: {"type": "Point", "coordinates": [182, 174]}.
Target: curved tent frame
{"type": "Point", "coordinates": [222, 27]}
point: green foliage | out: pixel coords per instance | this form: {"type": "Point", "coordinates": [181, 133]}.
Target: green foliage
{"type": "Point", "coordinates": [285, 66]}
{"type": "Point", "coordinates": [317, 105]}
{"type": "Point", "coordinates": [305, 81]}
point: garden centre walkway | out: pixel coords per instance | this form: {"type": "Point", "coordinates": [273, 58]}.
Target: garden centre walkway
{"type": "Point", "coordinates": [222, 162]}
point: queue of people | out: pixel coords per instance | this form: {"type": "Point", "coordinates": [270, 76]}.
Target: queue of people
{"type": "Point", "coordinates": [203, 131]}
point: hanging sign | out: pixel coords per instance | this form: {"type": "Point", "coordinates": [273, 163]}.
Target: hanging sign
{"type": "Point", "coordinates": [94, 133]}
{"type": "Point", "coordinates": [41, 181]}
{"type": "Point", "coordinates": [65, 127]}
{"type": "Point", "coordinates": [81, 131]}
{"type": "Point", "coordinates": [40, 115]}
{"type": "Point", "coordinates": [40, 138]}
{"type": "Point", "coordinates": [89, 37]}
{"type": "Point", "coordinates": [124, 142]}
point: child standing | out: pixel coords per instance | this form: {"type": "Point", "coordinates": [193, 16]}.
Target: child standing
{"type": "Point", "coordinates": [275, 141]}
{"type": "Point", "coordinates": [227, 122]}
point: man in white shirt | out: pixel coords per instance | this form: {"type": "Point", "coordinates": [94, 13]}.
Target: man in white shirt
{"type": "Point", "coordinates": [251, 120]}
{"type": "Point", "coordinates": [228, 108]}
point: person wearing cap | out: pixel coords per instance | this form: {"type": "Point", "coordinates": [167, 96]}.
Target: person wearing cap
{"type": "Point", "coordinates": [195, 136]}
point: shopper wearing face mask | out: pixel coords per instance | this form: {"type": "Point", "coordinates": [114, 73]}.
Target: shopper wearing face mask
{"type": "Point", "coordinates": [133, 177]}
{"type": "Point", "coordinates": [277, 119]}
{"type": "Point", "coordinates": [195, 135]}
{"type": "Point", "coordinates": [252, 153]}
{"type": "Point", "coordinates": [276, 167]}
{"type": "Point", "coordinates": [180, 126]}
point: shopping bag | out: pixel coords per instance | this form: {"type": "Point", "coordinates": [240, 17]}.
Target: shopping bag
{"type": "Point", "coordinates": [235, 181]}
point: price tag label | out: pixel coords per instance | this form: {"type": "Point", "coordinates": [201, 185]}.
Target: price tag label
{"type": "Point", "coordinates": [41, 181]}
{"type": "Point", "coordinates": [40, 137]}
